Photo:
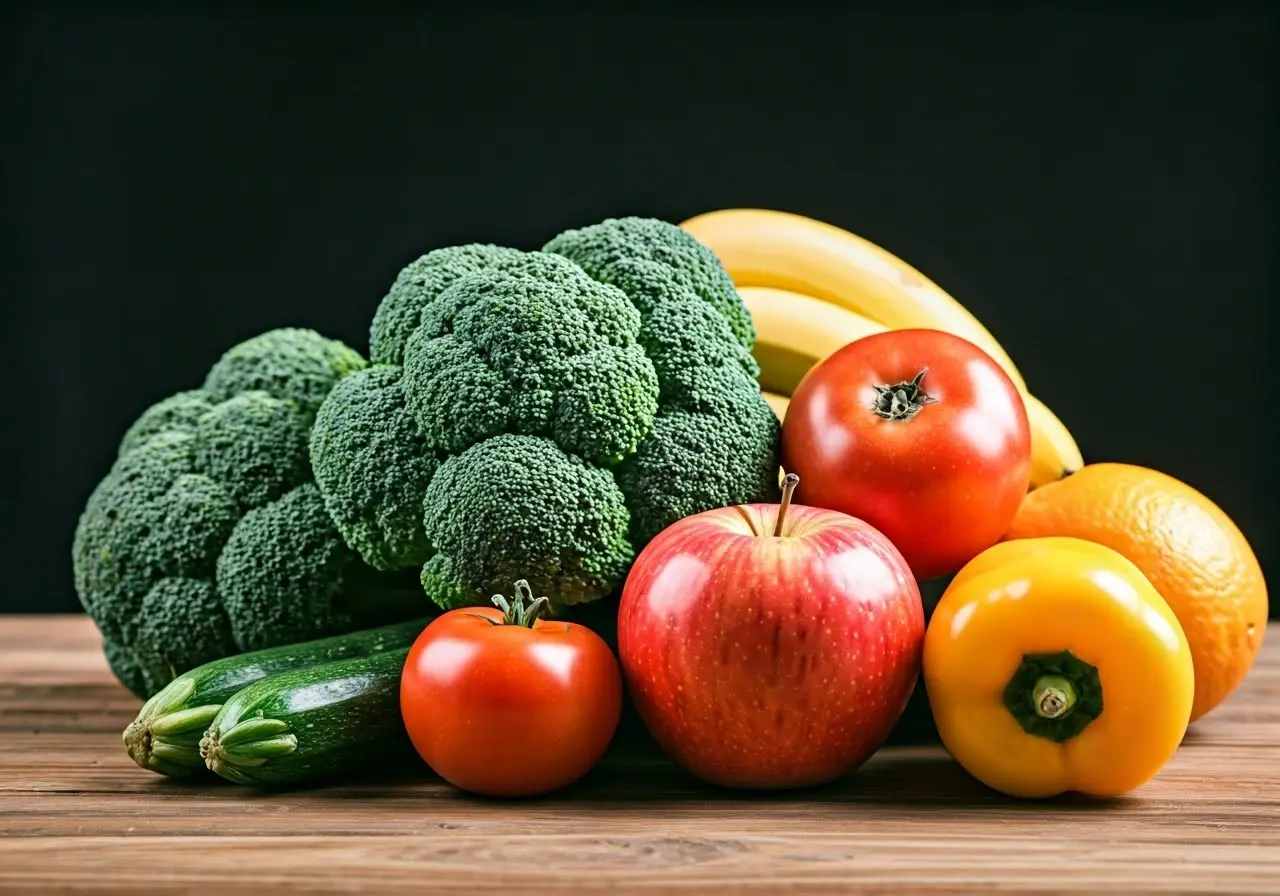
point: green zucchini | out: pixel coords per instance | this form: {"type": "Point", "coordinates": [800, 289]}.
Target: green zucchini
{"type": "Point", "coordinates": [308, 724]}
{"type": "Point", "coordinates": [165, 737]}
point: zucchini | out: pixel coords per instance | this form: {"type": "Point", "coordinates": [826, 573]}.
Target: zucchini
{"type": "Point", "coordinates": [313, 723]}
{"type": "Point", "coordinates": [165, 737]}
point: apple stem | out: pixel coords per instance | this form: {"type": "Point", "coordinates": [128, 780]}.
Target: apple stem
{"type": "Point", "coordinates": [789, 483]}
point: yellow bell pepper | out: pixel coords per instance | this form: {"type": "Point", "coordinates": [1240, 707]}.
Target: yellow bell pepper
{"type": "Point", "coordinates": [1053, 665]}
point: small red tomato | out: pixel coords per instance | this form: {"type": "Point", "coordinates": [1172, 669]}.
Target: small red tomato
{"type": "Point", "coordinates": [501, 702]}
{"type": "Point", "coordinates": [919, 433]}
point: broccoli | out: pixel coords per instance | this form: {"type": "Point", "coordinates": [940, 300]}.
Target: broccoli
{"type": "Point", "coordinates": [416, 287]}
{"type": "Point", "coordinates": [207, 537]}
{"type": "Point", "coordinates": [537, 348]}
{"type": "Point", "coordinates": [293, 364]}
{"type": "Point", "coordinates": [283, 575]}
{"type": "Point", "coordinates": [372, 466]}
{"type": "Point", "coordinates": [598, 249]}
{"type": "Point", "coordinates": [542, 415]}
{"type": "Point", "coordinates": [530, 510]}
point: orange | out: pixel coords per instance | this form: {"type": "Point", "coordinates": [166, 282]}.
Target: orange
{"type": "Point", "coordinates": [1188, 548]}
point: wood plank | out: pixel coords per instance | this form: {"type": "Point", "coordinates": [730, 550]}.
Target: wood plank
{"type": "Point", "coordinates": [76, 814]}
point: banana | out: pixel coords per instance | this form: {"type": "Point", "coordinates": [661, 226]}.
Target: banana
{"type": "Point", "coordinates": [759, 247]}
{"type": "Point", "coordinates": [795, 332]}
{"type": "Point", "coordinates": [778, 403]}
{"type": "Point", "coordinates": [1054, 453]}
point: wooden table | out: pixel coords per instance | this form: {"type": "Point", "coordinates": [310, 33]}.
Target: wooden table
{"type": "Point", "coordinates": [75, 813]}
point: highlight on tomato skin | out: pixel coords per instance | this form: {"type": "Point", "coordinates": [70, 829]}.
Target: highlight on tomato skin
{"type": "Point", "coordinates": [503, 702]}
{"type": "Point", "coordinates": [919, 433]}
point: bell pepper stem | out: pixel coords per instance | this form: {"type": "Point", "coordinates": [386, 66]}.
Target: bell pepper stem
{"type": "Point", "coordinates": [1054, 695]}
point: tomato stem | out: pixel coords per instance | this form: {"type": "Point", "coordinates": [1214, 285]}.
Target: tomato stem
{"type": "Point", "coordinates": [522, 609]}
{"type": "Point", "coordinates": [1054, 695]}
{"type": "Point", "coordinates": [789, 483]}
{"type": "Point", "coordinates": [902, 401]}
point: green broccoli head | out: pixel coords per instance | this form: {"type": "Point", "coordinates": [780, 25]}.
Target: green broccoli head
{"type": "Point", "coordinates": [547, 413]}
{"type": "Point", "coordinates": [417, 286]}
{"type": "Point", "coordinates": [192, 472]}
{"type": "Point", "coordinates": [679, 331]}
{"type": "Point", "coordinates": [284, 575]}
{"type": "Point", "coordinates": [256, 445]}
{"type": "Point", "coordinates": [599, 248]}
{"type": "Point", "coordinates": [180, 624]}
{"type": "Point", "coordinates": [290, 364]}
{"type": "Point", "coordinates": [535, 349]}
{"type": "Point", "coordinates": [714, 441]}
{"type": "Point", "coordinates": [718, 426]}
{"type": "Point", "coordinates": [180, 412]}
{"type": "Point", "coordinates": [373, 466]}
{"type": "Point", "coordinates": [519, 507]}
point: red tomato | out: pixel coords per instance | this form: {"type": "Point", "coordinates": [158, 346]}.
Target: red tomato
{"type": "Point", "coordinates": [919, 433]}
{"type": "Point", "coordinates": [507, 704]}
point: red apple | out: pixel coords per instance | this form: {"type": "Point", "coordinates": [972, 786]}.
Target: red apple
{"type": "Point", "coordinates": [770, 646]}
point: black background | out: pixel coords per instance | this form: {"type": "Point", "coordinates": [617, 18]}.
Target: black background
{"type": "Point", "coordinates": [1097, 185]}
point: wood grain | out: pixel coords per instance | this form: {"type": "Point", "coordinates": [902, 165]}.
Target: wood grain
{"type": "Point", "coordinates": [75, 814]}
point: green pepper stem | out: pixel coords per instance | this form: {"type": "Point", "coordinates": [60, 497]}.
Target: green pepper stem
{"type": "Point", "coordinates": [1054, 695]}
{"type": "Point", "coordinates": [523, 609]}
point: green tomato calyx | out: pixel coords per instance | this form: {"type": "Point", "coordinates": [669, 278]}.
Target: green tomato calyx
{"type": "Point", "coordinates": [523, 609]}
{"type": "Point", "coordinates": [902, 401]}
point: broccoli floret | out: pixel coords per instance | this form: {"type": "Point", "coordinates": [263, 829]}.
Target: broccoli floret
{"type": "Point", "coordinates": [714, 441]}
{"type": "Point", "coordinates": [256, 445]}
{"type": "Point", "coordinates": [291, 364]}
{"type": "Point", "coordinates": [598, 248]}
{"type": "Point", "coordinates": [518, 507]}
{"type": "Point", "coordinates": [192, 521]}
{"type": "Point", "coordinates": [373, 465]}
{"type": "Point", "coordinates": [548, 413]}
{"type": "Point", "coordinates": [722, 429]}
{"type": "Point", "coordinates": [539, 351]}
{"type": "Point", "coordinates": [679, 331]}
{"type": "Point", "coordinates": [282, 574]}
{"type": "Point", "coordinates": [417, 286]}
{"type": "Point", "coordinates": [180, 413]}
{"type": "Point", "coordinates": [114, 551]}
{"type": "Point", "coordinates": [193, 471]}
{"type": "Point", "coordinates": [180, 624]}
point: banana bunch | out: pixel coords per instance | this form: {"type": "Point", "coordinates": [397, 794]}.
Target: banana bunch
{"type": "Point", "coordinates": [813, 288]}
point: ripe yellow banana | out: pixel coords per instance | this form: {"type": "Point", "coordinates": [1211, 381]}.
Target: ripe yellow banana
{"type": "Point", "coordinates": [1054, 452]}
{"type": "Point", "coordinates": [759, 247]}
{"type": "Point", "coordinates": [778, 403]}
{"type": "Point", "coordinates": [795, 332]}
